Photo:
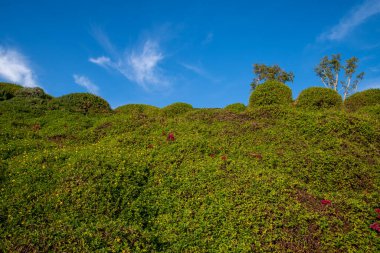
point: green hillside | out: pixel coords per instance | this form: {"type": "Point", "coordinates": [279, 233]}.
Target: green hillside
{"type": "Point", "coordinates": [77, 176]}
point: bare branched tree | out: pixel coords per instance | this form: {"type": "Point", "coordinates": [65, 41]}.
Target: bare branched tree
{"type": "Point", "coordinates": [328, 71]}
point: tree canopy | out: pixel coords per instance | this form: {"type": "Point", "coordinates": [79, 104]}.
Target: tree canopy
{"type": "Point", "coordinates": [328, 70]}
{"type": "Point", "coordinates": [270, 73]}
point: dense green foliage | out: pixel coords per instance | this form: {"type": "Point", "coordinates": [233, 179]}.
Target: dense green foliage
{"type": "Point", "coordinates": [271, 93]}
{"type": "Point", "coordinates": [138, 109]}
{"type": "Point", "coordinates": [8, 90]}
{"type": "Point", "coordinates": [81, 102]}
{"type": "Point", "coordinates": [32, 93]}
{"type": "Point", "coordinates": [177, 109]}
{"type": "Point", "coordinates": [237, 107]}
{"type": "Point", "coordinates": [319, 98]}
{"type": "Point", "coordinates": [362, 99]}
{"type": "Point", "coordinates": [227, 182]}
{"type": "Point", "coordinates": [373, 111]}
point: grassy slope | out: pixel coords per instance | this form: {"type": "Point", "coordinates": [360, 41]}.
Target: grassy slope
{"type": "Point", "coordinates": [230, 182]}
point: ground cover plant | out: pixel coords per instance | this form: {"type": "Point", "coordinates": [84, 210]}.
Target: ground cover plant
{"type": "Point", "coordinates": [271, 178]}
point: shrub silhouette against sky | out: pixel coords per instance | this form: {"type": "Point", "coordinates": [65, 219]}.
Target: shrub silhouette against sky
{"type": "Point", "coordinates": [32, 93]}
{"type": "Point", "coordinates": [271, 93]}
{"type": "Point", "coordinates": [81, 102]}
{"type": "Point", "coordinates": [177, 108]}
{"type": "Point", "coordinates": [236, 107]}
{"type": "Point", "coordinates": [8, 90]}
{"type": "Point", "coordinates": [319, 98]}
{"type": "Point", "coordinates": [137, 109]}
{"type": "Point", "coordinates": [362, 99]}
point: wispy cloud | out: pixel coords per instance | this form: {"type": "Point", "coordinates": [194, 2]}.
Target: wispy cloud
{"type": "Point", "coordinates": [375, 69]}
{"type": "Point", "coordinates": [15, 68]}
{"type": "Point", "coordinates": [104, 41]}
{"type": "Point", "coordinates": [195, 69]}
{"type": "Point", "coordinates": [86, 83]}
{"type": "Point", "coordinates": [349, 22]}
{"type": "Point", "coordinates": [101, 61]}
{"type": "Point", "coordinates": [140, 64]}
{"type": "Point", "coordinates": [209, 38]}
{"type": "Point", "coordinates": [143, 64]}
{"type": "Point", "coordinates": [199, 71]}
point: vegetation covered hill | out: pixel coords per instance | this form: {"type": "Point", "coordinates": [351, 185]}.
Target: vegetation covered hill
{"type": "Point", "coordinates": [76, 176]}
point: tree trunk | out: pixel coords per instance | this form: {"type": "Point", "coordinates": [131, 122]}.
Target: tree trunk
{"type": "Point", "coordinates": [336, 82]}
{"type": "Point", "coordinates": [346, 89]}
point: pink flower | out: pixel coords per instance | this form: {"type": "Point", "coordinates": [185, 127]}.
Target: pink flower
{"type": "Point", "coordinates": [171, 137]}
{"type": "Point", "coordinates": [377, 210]}
{"type": "Point", "coordinates": [375, 226]}
{"type": "Point", "coordinates": [325, 202]}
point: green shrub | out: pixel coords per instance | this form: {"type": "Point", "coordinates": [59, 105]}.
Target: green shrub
{"type": "Point", "coordinates": [8, 90]}
{"type": "Point", "coordinates": [373, 110]}
{"type": "Point", "coordinates": [319, 98]}
{"type": "Point", "coordinates": [137, 109]}
{"type": "Point", "coordinates": [81, 102]}
{"type": "Point", "coordinates": [271, 93]}
{"type": "Point", "coordinates": [365, 98]}
{"type": "Point", "coordinates": [20, 105]}
{"type": "Point", "coordinates": [271, 112]}
{"type": "Point", "coordinates": [237, 107]}
{"type": "Point", "coordinates": [177, 108]}
{"type": "Point", "coordinates": [32, 93]}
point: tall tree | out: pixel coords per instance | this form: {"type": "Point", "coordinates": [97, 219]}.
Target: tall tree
{"type": "Point", "coordinates": [264, 73]}
{"type": "Point", "coordinates": [328, 70]}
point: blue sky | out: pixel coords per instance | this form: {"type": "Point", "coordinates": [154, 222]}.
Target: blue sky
{"type": "Point", "coordinates": [199, 52]}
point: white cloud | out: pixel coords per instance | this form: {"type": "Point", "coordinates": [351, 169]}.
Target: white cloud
{"type": "Point", "coordinates": [139, 65]}
{"type": "Point", "coordinates": [143, 64]}
{"type": "Point", "coordinates": [86, 83]}
{"type": "Point", "coordinates": [354, 18]}
{"type": "Point", "coordinates": [102, 61]}
{"type": "Point", "coordinates": [14, 68]}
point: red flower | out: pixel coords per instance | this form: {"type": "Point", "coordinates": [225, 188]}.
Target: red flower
{"type": "Point", "coordinates": [212, 155]}
{"type": "Point", "coordinates": [224, 157]}
{"type": "Point", "coordinates": [325, 202]}
{"type": "Point", "coordinates": [171, 137]}
{"type": "Point", "coordinates": [377, 210]}
{"type": "Point", "coordinates": [375, 226]}
{"type": "Point", "coordinates": [258, 156]}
